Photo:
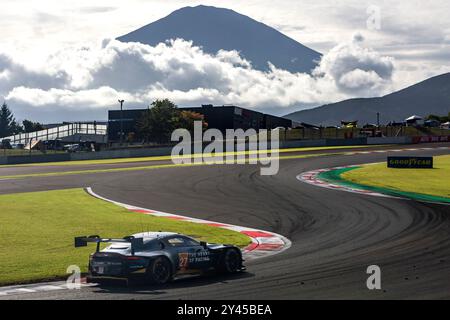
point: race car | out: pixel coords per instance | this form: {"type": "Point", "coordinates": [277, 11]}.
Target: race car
{"type": "Point", "coordinates": [158, 257]}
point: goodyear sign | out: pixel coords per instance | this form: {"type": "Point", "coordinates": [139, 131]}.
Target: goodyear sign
{"type": "Point", "coordinates": [410, 162]}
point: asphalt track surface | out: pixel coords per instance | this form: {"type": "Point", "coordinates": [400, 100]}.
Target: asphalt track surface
{"type": "Point", "coordinates": [335, 235]}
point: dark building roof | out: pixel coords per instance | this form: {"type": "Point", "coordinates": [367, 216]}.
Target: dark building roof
{"type": "Point", "coordinates": [234, 117]}
{"type": "Point", "coordinates": [217, 117]}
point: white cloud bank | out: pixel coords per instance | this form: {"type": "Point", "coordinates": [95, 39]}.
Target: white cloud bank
{"type": "Point", "coordinates": [95, 77]}
{"type": "Point", "coordinates": [357, 70]}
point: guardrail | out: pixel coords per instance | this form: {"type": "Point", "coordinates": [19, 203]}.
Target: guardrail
{"type": "Point", "coordinates": [58, 133]}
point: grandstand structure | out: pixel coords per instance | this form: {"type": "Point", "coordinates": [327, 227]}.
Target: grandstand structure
{"type": "Point", "coordinates": [70, 133]}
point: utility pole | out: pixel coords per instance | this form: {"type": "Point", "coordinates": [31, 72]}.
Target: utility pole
{"type": "Point", "coordinates": [121, 120]}
{"type": "Point", "coordinates": [378, 119]}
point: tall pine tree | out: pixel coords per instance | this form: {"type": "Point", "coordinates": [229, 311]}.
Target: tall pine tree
{"type": "Point", "coordinates": [8, 125]}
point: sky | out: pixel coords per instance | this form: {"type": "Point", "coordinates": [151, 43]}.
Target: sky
{"type": "Point", "coordinates": [58, 60]}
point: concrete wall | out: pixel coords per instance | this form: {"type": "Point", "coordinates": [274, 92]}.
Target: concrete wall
{"type": "Point", "coordinates": [127, 153]}
{"type": "Point", "coordinates": [346, 142]}
{"type": "Point", "coordinates": [303, 143]}
{"type": "Point", "coordinates": [114, 154]}
{"type": "Point", "coordinates": [35, 158]}
{"type": "Point", "coordinates": [390, 140]}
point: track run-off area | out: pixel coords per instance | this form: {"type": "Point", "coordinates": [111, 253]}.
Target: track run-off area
{"type": "Point", "coordinates": [334, 235]}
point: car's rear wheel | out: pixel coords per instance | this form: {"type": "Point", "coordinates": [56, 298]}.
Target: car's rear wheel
{"type": "Point", "coordinates": [231, 261]}
{"type": "Point", "coordinates": [159, 271]}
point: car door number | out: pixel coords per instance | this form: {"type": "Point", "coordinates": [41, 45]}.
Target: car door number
{"type": "Point", "coordinates": [187, 258]}
{"type": "Point", "coordinates": [183, 260]}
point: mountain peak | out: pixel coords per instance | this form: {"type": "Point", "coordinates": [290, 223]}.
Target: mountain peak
{"type": "Point", "coordinates": [203, 7]}
{"type": "Point", "coordinates": [430, 96]}
{"type": "Point", "coordinates": [214, 28]}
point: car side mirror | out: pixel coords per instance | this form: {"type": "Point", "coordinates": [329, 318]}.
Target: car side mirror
{"type": "Point", "coordinates": [204, 244]}
{"type": "Point", "coordinates": [161, 245]}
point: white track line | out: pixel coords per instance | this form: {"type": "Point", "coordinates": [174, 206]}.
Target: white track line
{"type": "Point", "coordinates": [37, 287]}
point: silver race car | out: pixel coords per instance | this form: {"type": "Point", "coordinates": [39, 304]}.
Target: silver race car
{"type": "Point", "coordinates": [158, 257]}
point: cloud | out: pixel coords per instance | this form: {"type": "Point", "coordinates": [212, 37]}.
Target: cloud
{"type": "Point", "coordinates": [357, 70]}
{"type": "Point", "coordinates": [93, 77]}
{"type": "Point", "coordinates": [96, 9]}
{"type": "Point", "coordinates": [15, 74]}
{"type": "Point", "coordinates": [64, 97]}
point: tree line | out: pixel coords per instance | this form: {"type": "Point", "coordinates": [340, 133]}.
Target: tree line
{"type": "Point", "coordinates": [9, 126]}
{"type": "Point", "coordinates": [441, 119]}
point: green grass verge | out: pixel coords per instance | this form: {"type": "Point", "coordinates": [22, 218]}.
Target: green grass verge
{"type": "Point", "coordinates": [335, 177]}
{"type": "Point", "coordinates": [433, 182]}
{"type": "Point", "coordinates": [37, 231]}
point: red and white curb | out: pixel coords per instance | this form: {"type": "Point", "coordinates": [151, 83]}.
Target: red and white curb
{"type": "Point", "coordinates": [312, 177]}
{"type": "Point", "coordinates": [264, 244]}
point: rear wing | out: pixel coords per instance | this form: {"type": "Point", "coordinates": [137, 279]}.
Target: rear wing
{"type": "Point", "coordinates": [83, 241]}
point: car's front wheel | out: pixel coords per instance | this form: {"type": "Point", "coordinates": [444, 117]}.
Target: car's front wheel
{"type": "Point", "coordinates": [159, 271]}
